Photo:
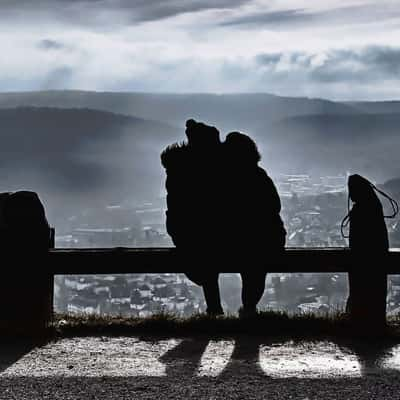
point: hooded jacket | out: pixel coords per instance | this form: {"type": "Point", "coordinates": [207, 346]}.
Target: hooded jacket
{"type": "Point", "coordinates": [193, 189]}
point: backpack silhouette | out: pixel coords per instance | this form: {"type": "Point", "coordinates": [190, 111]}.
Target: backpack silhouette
{"type": "Point", "coordinates": [366, 218]}
{"type": "Point", "coordinates": [368, 241]}
{"type": "Point", "coordinates": [23, 221]}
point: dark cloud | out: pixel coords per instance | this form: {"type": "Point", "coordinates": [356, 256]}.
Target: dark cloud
{"type": "Point", "coordinates": [386, 59]}
{"type": "Point", "coordinates": [104, 14]}
{"type": "Point", "coordinates": [368, 64]}
{"type": "Point", "coordinates": [270, 18]}
{"type": "Point", "coordinates": [48, 44]}
{"type": "Point", "coordinates": [269, 58]}
{"type": "Point", "coordinates": [281, 19]}
{"type": "Point", "coordinates": [139, 10]}
{"type": "Point", "coordinates": [148, 10]}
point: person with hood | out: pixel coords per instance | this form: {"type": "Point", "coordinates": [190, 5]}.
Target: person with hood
{"type": "Point", "coordinates": [255, 228]}
{"type": "Point", "coordinates": [368, 241]}
{"type": "Point", "coordinates": [193, 185]}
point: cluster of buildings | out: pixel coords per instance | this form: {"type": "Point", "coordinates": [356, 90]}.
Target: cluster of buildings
{"type": "Point", "coordinates": [142, 295]}
{"type": "Point", "coordinates": [305, 293]}
{"type": "Point", "coordinates": [306, 185]}
{"type": "Point", "coordinates": [136, 295]}
{"type": "Point", "coordinates": [312, 209]}
{"type": "Point", "coordinates": [122, 225]}
{"type": "Point", "coordinates": [314, 221]}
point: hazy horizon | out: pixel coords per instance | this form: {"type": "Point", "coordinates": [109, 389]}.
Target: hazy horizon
{"type": "Point", "coordinates": [185, 93]}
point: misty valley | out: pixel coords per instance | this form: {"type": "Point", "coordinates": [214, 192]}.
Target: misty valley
{"type": "Point", "coordinates": [94, 159]}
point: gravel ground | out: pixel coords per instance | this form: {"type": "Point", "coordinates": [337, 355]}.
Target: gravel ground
{"type": "Point", "coordinates": [199, 368]}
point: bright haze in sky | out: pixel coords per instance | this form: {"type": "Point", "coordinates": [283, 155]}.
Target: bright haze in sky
{"type": "Point", "coordinates": [339, 49]}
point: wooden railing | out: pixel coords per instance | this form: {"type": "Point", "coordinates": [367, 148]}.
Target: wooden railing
{"type": "Point", "coordinates": [122, 260]}
{"type": "Point", "coordinates": [27, 284]}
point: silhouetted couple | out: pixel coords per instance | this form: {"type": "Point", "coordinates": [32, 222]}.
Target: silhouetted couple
{"type": "Point", "coordinates": [222, 208]}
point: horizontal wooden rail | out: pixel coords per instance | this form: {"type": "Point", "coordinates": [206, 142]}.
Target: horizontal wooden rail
{"type": "Point", "coordinates": [162, 260]}
{"type": "Point", "coordinates": [27, 298]}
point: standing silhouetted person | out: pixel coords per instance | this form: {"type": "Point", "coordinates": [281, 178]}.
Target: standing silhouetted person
{"type": "Point", "coordinates": [368, 241]}
{"type": "Point", "coordinates": [255, 231]}
{"type": "Point", "coordinates": [193, 205]}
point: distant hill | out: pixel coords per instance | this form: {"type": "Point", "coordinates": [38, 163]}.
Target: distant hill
{"type": "Point", "coordinates": [81, 155]}
{"type": "Point", "coordinates": [229, 111]}
{"type": "Point", "coordinates": [81, 150]}
{"type": "Point", "coordinates": [78, 149]}
{"type": "Point", "coordinates": [323, 144]}
{"type": "Point", "coordinates": [376, 107]}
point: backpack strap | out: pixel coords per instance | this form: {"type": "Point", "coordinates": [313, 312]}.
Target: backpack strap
{"type": "Point", "coordinates": [393, 202]}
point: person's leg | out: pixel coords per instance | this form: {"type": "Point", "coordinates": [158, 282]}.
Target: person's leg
{"type": "Point", "coordinates": [209, 283]}
{"type": "Point", "coordinates": [253, 286]}
{"type": "Point", "coordinates": [196, 278]}
{"type": "Point", "coordinates": [212, 295]}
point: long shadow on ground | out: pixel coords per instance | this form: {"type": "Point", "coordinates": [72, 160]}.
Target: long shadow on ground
{"type": "Point", "coordinates": [250, 371]}
{"type": "Point", "coordinates": [11, 350]}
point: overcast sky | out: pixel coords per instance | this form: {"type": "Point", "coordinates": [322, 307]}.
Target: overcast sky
{"type": "Point", "coordinates": [339, 49]}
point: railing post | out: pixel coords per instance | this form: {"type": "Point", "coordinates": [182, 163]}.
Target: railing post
{"type": "Point", "coordinates": [366, 304]}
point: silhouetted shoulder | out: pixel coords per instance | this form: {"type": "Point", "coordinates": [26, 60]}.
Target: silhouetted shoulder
{"type": "Point", "coordinates": [267, 191]}
{"type": "Point", "coordinates": [174, 155]}
{"type": "Point", "coordinates": [263, 177]}
{"type": "Point", "coordinates": [262, 174]}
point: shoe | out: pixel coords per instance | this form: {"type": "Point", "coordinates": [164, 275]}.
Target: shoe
{"type": "Point", "coordinates": [245, 313]}
{"type": "Point", "coordinates": [215, 313]}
